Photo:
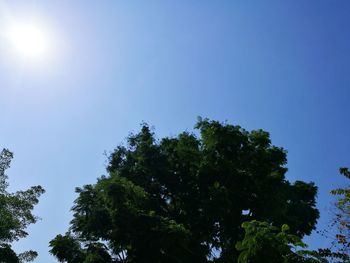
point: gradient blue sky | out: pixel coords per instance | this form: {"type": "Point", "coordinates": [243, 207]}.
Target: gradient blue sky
{"type": "Point", "coordinates": [278, 65]}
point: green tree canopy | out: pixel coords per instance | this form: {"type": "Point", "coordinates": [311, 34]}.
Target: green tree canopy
{"type": "Point", "coordinates": [266, 243]}
{"type": "Point", "coordinates": [184, 198]}
{"type": "Point", "coordinates": [15, 214]}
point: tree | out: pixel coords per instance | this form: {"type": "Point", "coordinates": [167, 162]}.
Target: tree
{"type": "Point", "coordinates": [183, 199]}
{"type": "Point", "coordinates": [341, 241]}
{"type": "Point", "coordinates": [263, 242]}
{"type": "Point", "coordinates": [15, 214]}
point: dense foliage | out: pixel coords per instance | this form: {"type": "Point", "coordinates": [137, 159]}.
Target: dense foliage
{"type": "Point", "coordinates": [15, 214]}
{"type": "Point", "coordinates": [184, 199]}
{"type": "Point", "coordinates": [266, 243]}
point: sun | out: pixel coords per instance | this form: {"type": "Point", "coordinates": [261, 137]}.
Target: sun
{"type": "Point", "coordinates": [28, 40]}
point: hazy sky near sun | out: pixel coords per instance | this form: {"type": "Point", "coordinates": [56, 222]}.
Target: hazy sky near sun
{"type": "Point", "coordinates": [278, 65]}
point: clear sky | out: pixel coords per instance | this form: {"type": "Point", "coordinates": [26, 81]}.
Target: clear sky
{"type": "Point", "coordinates": [278, 65]}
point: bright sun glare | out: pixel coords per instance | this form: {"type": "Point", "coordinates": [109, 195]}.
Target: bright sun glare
{"type": "Point", "coordinates": [28, 40]}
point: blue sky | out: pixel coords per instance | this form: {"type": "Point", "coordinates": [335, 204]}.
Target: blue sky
{"type": "Point", "coordinates": [278, 65]}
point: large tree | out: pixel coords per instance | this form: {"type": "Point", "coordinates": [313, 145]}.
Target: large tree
{"type": "Point", "coordinates": [184, 198]}
{"type": "Point", "coordinates": [15, 214]}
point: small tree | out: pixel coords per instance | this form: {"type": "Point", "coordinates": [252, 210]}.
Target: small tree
{"type": "Point", "coordinates": [340, 250]}
{"type": "Point", "coordinates": [15, 214]}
